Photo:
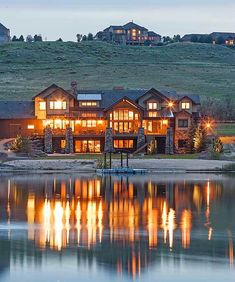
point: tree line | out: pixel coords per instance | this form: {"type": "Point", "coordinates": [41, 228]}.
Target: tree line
{"type": "Point", "coordinates": [29, 38]}
{"type": "Point", "coordinates": [219, 109]}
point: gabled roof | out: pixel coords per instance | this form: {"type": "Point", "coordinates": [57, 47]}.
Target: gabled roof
{"type": "Point", "coordinates": [155, 93]}
{"type": "Point", "coordinates": [132, 25]}
{"type": "Point", "coordinates": [194, 98]}
{"type": "Point", "coordinates": [51, 89]}
{"type": "Point", "coordinates": [123, 99]}
{"type": "Point", "coordinates": [3, 28]}
{"type": "Point", "coordinates": [109, 97]}
{"type": "Point", "coordinates": [153, 34]}
{"type": "Point", "coordinates": [224, 35]}
{"type": "Point", "coordinates": [115, 27]}
{"type": "Point", "coordinates": [16, 110]}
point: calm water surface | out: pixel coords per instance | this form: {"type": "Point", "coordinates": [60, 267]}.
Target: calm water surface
{"type": "Point", "coordinates": [56, 227]}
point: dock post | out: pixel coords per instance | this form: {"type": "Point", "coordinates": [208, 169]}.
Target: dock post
{"type": "Point", "coordinates": [121, 160]}
{"type": "Point", "coordinates": [110, 160]}
{"type": "Point", "coordinates": [127, 160]}
{"type": "Point", "coordinates": [105, 163]}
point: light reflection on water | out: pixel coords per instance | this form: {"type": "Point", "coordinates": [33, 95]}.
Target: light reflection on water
{"type": "Point", "coordinates": [132, 227]}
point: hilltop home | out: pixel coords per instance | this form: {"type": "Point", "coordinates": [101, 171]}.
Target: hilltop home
{"type": "Point", "coordinates": [128, 34]}
{"type": "Point", "coordinates": [227, 38]}
{"type": "Point", "coordinates": [4, 34]}
{"type": "Point", "coordinates": [94, 121]}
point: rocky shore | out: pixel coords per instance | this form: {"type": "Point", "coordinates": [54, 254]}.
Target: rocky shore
{"type": "Point", "coordinates": [68, 165]}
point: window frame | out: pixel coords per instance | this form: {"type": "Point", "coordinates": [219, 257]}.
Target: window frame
{"type": "Point", "coordinates": [185, 105]}
{"type": "Point", "coordinates": [183, 123]}
{"type": "Point", "coordinates": [44, 107]}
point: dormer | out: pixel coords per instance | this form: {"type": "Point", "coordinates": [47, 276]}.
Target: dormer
{"type": "Point", "coordinates": [89, 100]}
{"type": "Point", "coordinates": [153, 101]}
{"type": "Point", "coordinates": [186, 104]}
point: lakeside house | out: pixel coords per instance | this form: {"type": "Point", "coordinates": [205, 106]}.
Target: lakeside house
{"type": "Point", "coordinates": [227, 38]}
{"type": "Point", "coordinates": [128, 34]}
{"type": "Point", "coordinates": [4, 34]}
{"type": "Point", "coordinates": [94, 121]}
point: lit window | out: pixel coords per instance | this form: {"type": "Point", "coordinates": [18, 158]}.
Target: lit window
{"type": "Point", "coordinates": [30, 126]}
{"type": "Point", "coordinates": [185, 105]}
{"type": "Point", "coordinates": [152, 114]}
{"type": "Point", "coordinates": [165, 122]}
{"type": "Point", "coordinates": [62, 144]}
{"type": "Point", "coordinates": [42, 106]}
{"type": "Point", "coordinates": [58, 105]}
{"type": "Point", "coordinates": [123, 144]}
{"type": "Point", "coordinates": [88, 104]}
{"type": "Point", "coordinates": [89, 123]}
{"type": "Point", "coordinates": [183, 123]}
{"type": "Point", "coordinates": [152, 105]}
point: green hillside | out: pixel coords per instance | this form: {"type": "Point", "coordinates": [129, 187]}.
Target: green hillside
{"type": "Point", "coordinates": [27, 68]}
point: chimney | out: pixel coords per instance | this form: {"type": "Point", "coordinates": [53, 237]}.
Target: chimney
{"type": "Point", "coordinates": [74, 87]}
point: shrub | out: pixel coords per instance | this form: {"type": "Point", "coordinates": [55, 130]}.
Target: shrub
{"type": "Point", "coordinates": [218, 146]}
{"type": "Point", "coordinates": [21, 145]}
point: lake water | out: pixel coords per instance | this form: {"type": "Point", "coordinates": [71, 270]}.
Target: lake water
{"type": "Point", "coordinates": [61, 227]}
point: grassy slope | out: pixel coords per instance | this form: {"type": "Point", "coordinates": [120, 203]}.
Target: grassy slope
{"type": "Point", "coordinates": [25, 69]}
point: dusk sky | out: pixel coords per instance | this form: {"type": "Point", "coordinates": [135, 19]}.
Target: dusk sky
{"type": "Point", "coordinates": [66, 18]}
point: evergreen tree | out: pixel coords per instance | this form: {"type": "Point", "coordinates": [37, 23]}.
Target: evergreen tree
{"type": "Point", "coordinates": [21, 38]}
{"type": "Point", "coordinates": [218, 146]}
{"type": "Point", "coordinates": [90, 37]}
{"type": "Point", "coordinates": [14, 39]}
{"type": "Point", "coordinates": [84, 38]}
{"type": "Point", "coordinates": [200, 138]}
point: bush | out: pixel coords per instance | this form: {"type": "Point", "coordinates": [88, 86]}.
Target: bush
{"type": "Point", "coordinates": [218, 146]}
{"type": "Point", "coordinates": [21, 145]}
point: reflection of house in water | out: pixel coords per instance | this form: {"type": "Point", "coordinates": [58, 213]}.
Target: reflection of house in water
{"type": "Point", "coordinates": [125, 223]}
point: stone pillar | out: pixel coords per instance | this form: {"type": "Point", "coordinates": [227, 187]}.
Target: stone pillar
{"type": "Point", "coordinates": [48, 140]}
{"type": "Point", "coordinates": [169, 142]}
{"type": "Point", "coordinates": [108, 145]}
{"type": "Point", "coordinates": [69, 141]}
{"type": "Point", "coordinates": [140, 138]}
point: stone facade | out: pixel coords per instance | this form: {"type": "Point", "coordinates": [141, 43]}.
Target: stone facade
{"type": "Point", "coordinates": [108, 145]}
{"type": "Point", "coordinates": [69, 141]}
{"type": "Point", "coordinates": [169, 142]}
{"type": "Point", "coordinates": [141, 138]}
{"type": "Point", "coordinates": [48, 140]}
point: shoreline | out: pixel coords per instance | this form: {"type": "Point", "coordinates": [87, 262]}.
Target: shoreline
{"type": "Point", "coordinates": [90, 166]}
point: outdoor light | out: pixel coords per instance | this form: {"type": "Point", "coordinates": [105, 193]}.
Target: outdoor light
{"type": "Point", "coordinates": [208, 125]}
{"type": "Point", "coordinates": [170, 104]}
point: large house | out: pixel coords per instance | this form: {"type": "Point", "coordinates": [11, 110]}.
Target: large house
{"type": "Point", "coordinates": [129, 34]}
{"type": "Point", "coordinates": [227, 38]}
{"type": "Point", "coordinates": [4, 34]}
{"type": "Point", "coordinates": [94, 121]}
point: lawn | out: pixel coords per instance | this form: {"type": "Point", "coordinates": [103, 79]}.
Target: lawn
{"type": "Point", "coordinates": [27, 68]}
{"type": "Point", "coordinates": [225, 129]}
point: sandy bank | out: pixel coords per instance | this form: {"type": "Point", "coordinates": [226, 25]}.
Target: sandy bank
{"type": "Point", "coordinates": [90, 165]}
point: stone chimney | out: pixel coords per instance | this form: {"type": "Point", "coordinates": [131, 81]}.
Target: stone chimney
{"type": "Point", "coordinates": [74, 87]}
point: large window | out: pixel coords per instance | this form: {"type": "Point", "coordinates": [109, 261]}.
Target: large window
{"type": "Point", "coordinates": [89, 123]}
{"type": "Point", "coordinates": [42, 106]}
{"type": "Point", "coordinates": [123, 144]}
{"type": "Point", "coordinates": [153, 114]}
{"type": "Point", "coordinates": [59, 124]}
{"type": "Point", "coordinates": [152, 105]}
{"type": "Point", "coordinates": [123, 114]}
{"type": "Point", "coordinates": [87, 146]}
{"type": "Point", "coordinates": [185, 105]}
{"type": "Point", "coordinates": [58, 105]}
{"type": "Point", "coordinates": [183, 123]}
